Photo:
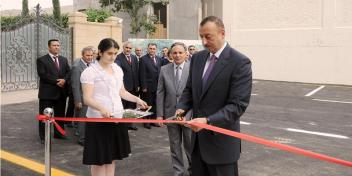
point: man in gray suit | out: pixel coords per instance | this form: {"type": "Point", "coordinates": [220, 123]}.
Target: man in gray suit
{"type": "Point", "coordinates": [77, 69]}
{"type": "Point", "coordinates": [172, 80]}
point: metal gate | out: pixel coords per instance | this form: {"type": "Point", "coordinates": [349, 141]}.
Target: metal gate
{"type": "Point", "coordinates": [22, 43]}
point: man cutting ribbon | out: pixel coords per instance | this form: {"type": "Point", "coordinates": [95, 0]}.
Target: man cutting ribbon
{"type": "Point", "coordinates": [218, 90]}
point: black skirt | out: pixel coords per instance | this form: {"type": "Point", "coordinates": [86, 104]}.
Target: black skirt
{"type": "Point", "coordinates": [105, 142]}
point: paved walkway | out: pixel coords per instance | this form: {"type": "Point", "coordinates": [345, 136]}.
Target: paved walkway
{"type": "Point", "coordinates": [18, 96]}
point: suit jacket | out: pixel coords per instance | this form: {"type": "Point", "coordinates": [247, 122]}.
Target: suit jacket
{"type": "Point", "coordinates": [168, 94]}
{"type": "Point", "coordinates": [223, 100]}
{"type": "Point", "coordinates": [149, 73]}
{"type": "Point", "coordinates": [48, 74]}
{"type": "Point", "coordinates": [130, 72]}
{"type": "Point", "coordinates": [77, 69]}
{"type": "Point", "coordinates": [164, 61]}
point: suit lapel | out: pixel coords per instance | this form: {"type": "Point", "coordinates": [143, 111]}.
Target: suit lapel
{"type": "Point", "coordinates": [133, 65]}
{"type": "Point", "coordinates": [172, 77]}
{"type": "Point", "coordinates": [184, 75]}
{"type": "Point", "coordinates": [61, 64]}
{"type": "Point", "coordinates": [218, 68]}
{"type": "Point", "coordinates": [158, 63]}
{"type": "Point", "coordinates": [199, 72]}
{"type": "Point", "coordinates": [151, 61]}
{"type": "Point", "coordinates": [52, 63]}
{"type": "Point", "coordinates": [125, 62]}
{"type": "Point", "coordinates": [82, 64]}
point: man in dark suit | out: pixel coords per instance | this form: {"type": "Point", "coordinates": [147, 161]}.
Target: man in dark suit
{"type": "Point", "coordinates": [80, 108]}
{"type": "Point", "coordinates": [54, 72]}
{"type": "Point", "coordinates": [129, 64]}
{"type": "Point", "coordinates": [191, 50]}
{"type": "Point", "coordinates": [149, 69]}
{"type": "Point", "coordinates": [218, 90]}
{"type": "Point", "coordinates": [165, 56]}
{"type": "Point", "coordinates": [138, 51]}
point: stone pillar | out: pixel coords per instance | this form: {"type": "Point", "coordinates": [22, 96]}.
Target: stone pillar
{"type": "Point", "coordinates": [91, 33]}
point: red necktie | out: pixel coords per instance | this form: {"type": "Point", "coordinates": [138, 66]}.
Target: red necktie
{"type": "Point", "coordinates": [56, 62]}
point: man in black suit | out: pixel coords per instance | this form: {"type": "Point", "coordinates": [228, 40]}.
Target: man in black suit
{"type": "Point", "coordinates": [129, 64]}
{"type": "Point", "coordinates": [149, 69]}
{"type": "Point", "coordinates": [54, 72]}
{"type": "Point", "coordinates": [138, 51]}
{"type": "Point", "coordinates": [218, 89]}
{"type": "Point", "coordinates": [165, 56]}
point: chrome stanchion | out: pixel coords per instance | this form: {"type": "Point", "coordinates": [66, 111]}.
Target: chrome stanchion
{"type": "Point", "coordinates": [49, 112]}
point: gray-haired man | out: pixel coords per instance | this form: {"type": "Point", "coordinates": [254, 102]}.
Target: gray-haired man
{"type": "Point", "coordinates": [77, 69]}
{"type": "Point", "coordinates": [172, 80]}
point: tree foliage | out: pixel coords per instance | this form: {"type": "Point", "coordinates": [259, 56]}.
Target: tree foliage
{"type": "Point", "coordinates": [140, 21]}
{"type": "Point", "coordinates": [94, 15]}
{"type": "Point", "coordinates": [25, 10]}
{"type": "Point", "coordinates": [57, 11]}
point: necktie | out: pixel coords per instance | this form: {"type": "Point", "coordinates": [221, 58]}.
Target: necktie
{"type": "Point", "coordinates": [154, 60]}
{"type": "Point", "coordinates": [56, 61]}
{"type": "Point", "coordinates": [209, 69]}
{"type": "Point", "coordinates": [177, 76]}
{"type": "Point", "coordinates": [87, 64]}
{"type": "Point", "coordinates": [129, 59]}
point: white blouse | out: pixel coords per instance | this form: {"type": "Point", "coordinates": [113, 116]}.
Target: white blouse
{"type": "Point", "coordinates": [106, 89]}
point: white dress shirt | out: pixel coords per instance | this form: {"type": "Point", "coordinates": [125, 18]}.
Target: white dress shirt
{"type": "Point", "coordinates": [85, 63]}
{"type": "Point", "coordinates": [52, 57]}
{"type": "Point", "coordinates": [217, 55]}
{"type": "Point", "coordinates": [180, 67]}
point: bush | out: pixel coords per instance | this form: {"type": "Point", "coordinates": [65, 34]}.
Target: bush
{"type": "Point", "coordinates": [51, 18]}
{"type": "Point", "coordinates": [7, 22]}
{"type": "Point", "coordinates": [94, 15]}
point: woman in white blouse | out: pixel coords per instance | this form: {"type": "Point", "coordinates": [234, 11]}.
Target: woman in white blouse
{"type": "Point", "coordinates": [102, 85]}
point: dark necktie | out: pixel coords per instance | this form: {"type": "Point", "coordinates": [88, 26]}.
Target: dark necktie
{"type": "Point", "coordinates": [177, 76]}
{"type": "Point", "coordinates": [129, 59]}
{"type": "Point", "coordinates": [154, 60]}
{"type": "Point", "coordinates": [209, 69]}
{"type": "Point", "coordinates": [56, 61]}
{"type": "Point", "coordinates": [87, 64]}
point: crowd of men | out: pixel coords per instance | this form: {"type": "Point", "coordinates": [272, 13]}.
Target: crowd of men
{"type": "Point", "coordinates": [59, 81]}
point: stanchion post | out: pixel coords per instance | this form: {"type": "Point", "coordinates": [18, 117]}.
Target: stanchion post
{"type": "Point", "coordinates": [49, 112]}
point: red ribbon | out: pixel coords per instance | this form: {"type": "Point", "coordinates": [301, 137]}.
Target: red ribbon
{"type": "Point", "coordinates": [211, 128]}
{"type": "Point", "coordinates": [57, 126]}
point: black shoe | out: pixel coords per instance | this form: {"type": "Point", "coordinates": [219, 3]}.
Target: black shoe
{"type": "Point", "coordinates": [60, 137]}
{"type": "Point", "coordinates": [154, 124]}
{"type": "Point", "coordinates": [81, 143]}
{"type": "Point", "coordinates": [132, 128]}
{"type": "Point", "coordinates": [147, 125]}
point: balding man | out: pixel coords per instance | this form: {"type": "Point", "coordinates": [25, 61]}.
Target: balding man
{"type": "Point", "coordinates": [129, 64]}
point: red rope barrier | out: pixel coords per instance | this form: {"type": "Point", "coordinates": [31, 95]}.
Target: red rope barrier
{"type": "Point", "coordinates": [243, 136]}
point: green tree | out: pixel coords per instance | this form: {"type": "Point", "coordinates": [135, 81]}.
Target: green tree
{"type": "Point", "coordinates": [139, 20]}
{"type": "Point", "coordinates": [57, 11]}
{"type": "Point", "coordinates": [25, 10]}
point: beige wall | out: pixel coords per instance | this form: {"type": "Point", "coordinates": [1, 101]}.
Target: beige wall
{"type": "Point", "coordinates": [301, 41]}
{"type": "Point", "coordinates": [90, 33]}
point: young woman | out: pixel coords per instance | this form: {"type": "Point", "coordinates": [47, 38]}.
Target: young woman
{"type": "Point", "coordinates": [102, 84]}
